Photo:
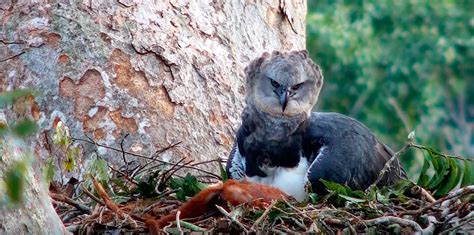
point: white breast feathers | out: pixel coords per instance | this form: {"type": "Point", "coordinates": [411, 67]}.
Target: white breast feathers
{"type": "Point", "coordinates": [289, 180]}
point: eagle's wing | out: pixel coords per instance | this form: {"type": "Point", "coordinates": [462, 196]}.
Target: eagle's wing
{"type": "Point", "coordinates": [343, 150]}
{"type": "Point", "coordinates": [235, 166]}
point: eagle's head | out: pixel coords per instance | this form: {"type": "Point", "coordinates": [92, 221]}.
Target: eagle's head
{"type": "Point", "coordinates": [283, 83]}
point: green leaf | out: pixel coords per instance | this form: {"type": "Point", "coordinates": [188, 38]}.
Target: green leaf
{"type": "Point", "coordinates": [352, 199]}
{"type": "Point", "coordinates": [382, 198]}
{"type": "Point", "coordinates": [61, 135]}
{"type": "Point", "coordinates": [333, 186]}
{"type": "Point", "coordinates": [69, 162]}
{"type": "Point", "coordinates": [188, 186]}
{"type": "Point", "coordinates": [223, 173]}
{"type": "Point", "coordinates": [314, 198]}
{"type": "Point", "coordinates": [451, 180]}
{"type": "Point", "coordinates": [24, 128]}
{"type": "Point", "coordinates": [441, 171]}
{"type": "Point", "coordinates": [119, 183]}
{"type": "Point", "coordinates": [15, 182]}
{"type": "Point", "coordinates": [100, 169]}
{"type": "Point", "coordinates": [424, 178]}
{"type": "Point", "coordinates": [146, 188]}
{"type": "Point", "coordinates": [467, 178]}
{"type": "Point", "coordinates": [120, 199]}
{"type": "Point", "coordinates": [10, 96]}
{"type": "Point", "coordinates": [48, 171]}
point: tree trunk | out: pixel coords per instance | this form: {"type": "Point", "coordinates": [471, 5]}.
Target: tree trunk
{"type": "Point", "coordinates": [35, 215]}
{"type": "Point", "coordinates": [160, 71]}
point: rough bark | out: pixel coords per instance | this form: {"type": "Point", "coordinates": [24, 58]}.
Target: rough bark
{"type": "Point", "coordinates": [35, 215]}
{"type": "Point", "coordinates": [161, 71]}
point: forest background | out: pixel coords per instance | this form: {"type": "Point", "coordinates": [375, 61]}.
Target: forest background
{"type": "Point", "coordinates": [399, 66]}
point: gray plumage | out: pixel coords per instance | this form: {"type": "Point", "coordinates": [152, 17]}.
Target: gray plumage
{"type": "Point", "coordinates": [282, 143]}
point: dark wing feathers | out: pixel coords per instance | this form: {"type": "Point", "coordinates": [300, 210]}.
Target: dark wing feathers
{"type": "Point", "coordinates": [350, 155]}
{"type": "Point", "coordinates": [340, 149]}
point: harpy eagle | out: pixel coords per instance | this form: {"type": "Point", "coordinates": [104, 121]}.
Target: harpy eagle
{"type": "Point", "coordinates": [281, 142]}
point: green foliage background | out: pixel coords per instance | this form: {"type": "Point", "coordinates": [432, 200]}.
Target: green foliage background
{"type": "Point", "coordinates": [399, 66]}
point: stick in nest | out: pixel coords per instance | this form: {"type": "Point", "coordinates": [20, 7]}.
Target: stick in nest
{"type": "Point", "coordinates": [91, 141]}
{"type": "Point", "coordinates": [264, 215]}
{"type": "Point", "coordinates": [450, 197]}
{"type": "Point", "coordinates": [76, 204]}
{"type": "Point", "coordinates": [394, 220]}
{"type": "Point", "coordinates": [110, 204]}
{"type": "Point", "coordinates": [387, 166]}
{"type": "Point", "coordinates": [232, 218]}
{"type": "Point", "coordinates": [178, 224]}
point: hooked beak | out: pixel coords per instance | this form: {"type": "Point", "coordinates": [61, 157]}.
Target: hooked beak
{"type": "Point", "coordinates": [283, 100]}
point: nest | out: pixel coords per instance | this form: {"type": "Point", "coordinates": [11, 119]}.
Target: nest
{"type": "Point", "coordinates": [125, 204]}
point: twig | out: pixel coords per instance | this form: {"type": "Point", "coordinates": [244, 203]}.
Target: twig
{"type": "Point", "coordinates": [387, 166]}
{"type": "Point", "coordinates": [393, 219]}
{"type": "Point", "coordinates": [431, 225]}
{"type": "Point", "coordinates": [450, 196]}
{"type": "Point", "coordinates": [283, 228]}
{"type": "Point", "coordinates": [165, 177]}
{"type": "Point", "coordinates": [439, 153]}
{"type": "Point", "coordinates": [191, 226]}
{"type": "Point", "coordinates": [154, 156]}
{"type": "Point", "coordinates": [178, 167]}
{"type": "Point", "coordinates": [162, 150]}
{"type": "Point", "coordinates": [335, 221]}
{"type": "Point", "coordinates": [455, 228]}
{"type": "Point", "coordinates": [295, 221]}
{"type": "Point", "coordinates": [158, 202]}
{"type": "Point", "coordinates": [400, 113]}
{"type": "Point", "coordinates": [108, 202]}
{"type": "Point", "coordinates": [11, 42]}
{"type": "Point", "coordinates": [220, 160]}
{"type": "Point", "coordinates": [232, 218]}
{"type": "Point", "coordinates": [417, 190]}
{"type": "Point", "coordinates": [178, 224]}
{"type": "Point", "coordinates": [328, 229]}
{"type": "Point", "coordinates": [467, 219]}
{"type": "Point", "coordinates": [123, 153]}
{"type": "Point", "coordinates": [144, 157]}
{"type": "Point", "coordinates": [74, 228]}
{"type": "Point", "coordinates": [77, 205]}
{"type": "Point", "coordinates": [123, 174]}
{"type": "Point", "coordinates": [167, 208]}
{"type": "Point", "coordinates": [68, 216]}
{"type": "Point", "coordinates": [92, 196]}
{"type": "Point", "coordinates": [274, 230]}
{"type": "Point", "coordinates": [292, 207]}
{"type": "Point", "coordinates": [264, 215]}
{"type": "Point", "coordinates": [425, 194]}
{"type": "Point", "coordinates": [13, 56]}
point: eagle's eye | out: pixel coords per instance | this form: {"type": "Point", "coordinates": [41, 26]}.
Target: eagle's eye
{"type": "Point", "coordinates": [297, 86]}
{"type": "Point", "coordinates": [274, 83]}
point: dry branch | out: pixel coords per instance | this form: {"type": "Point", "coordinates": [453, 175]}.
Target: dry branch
{"type": "Point", "coordinates": [232, 218]}
{"type": "Point", "coordinates": [76, 204]}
